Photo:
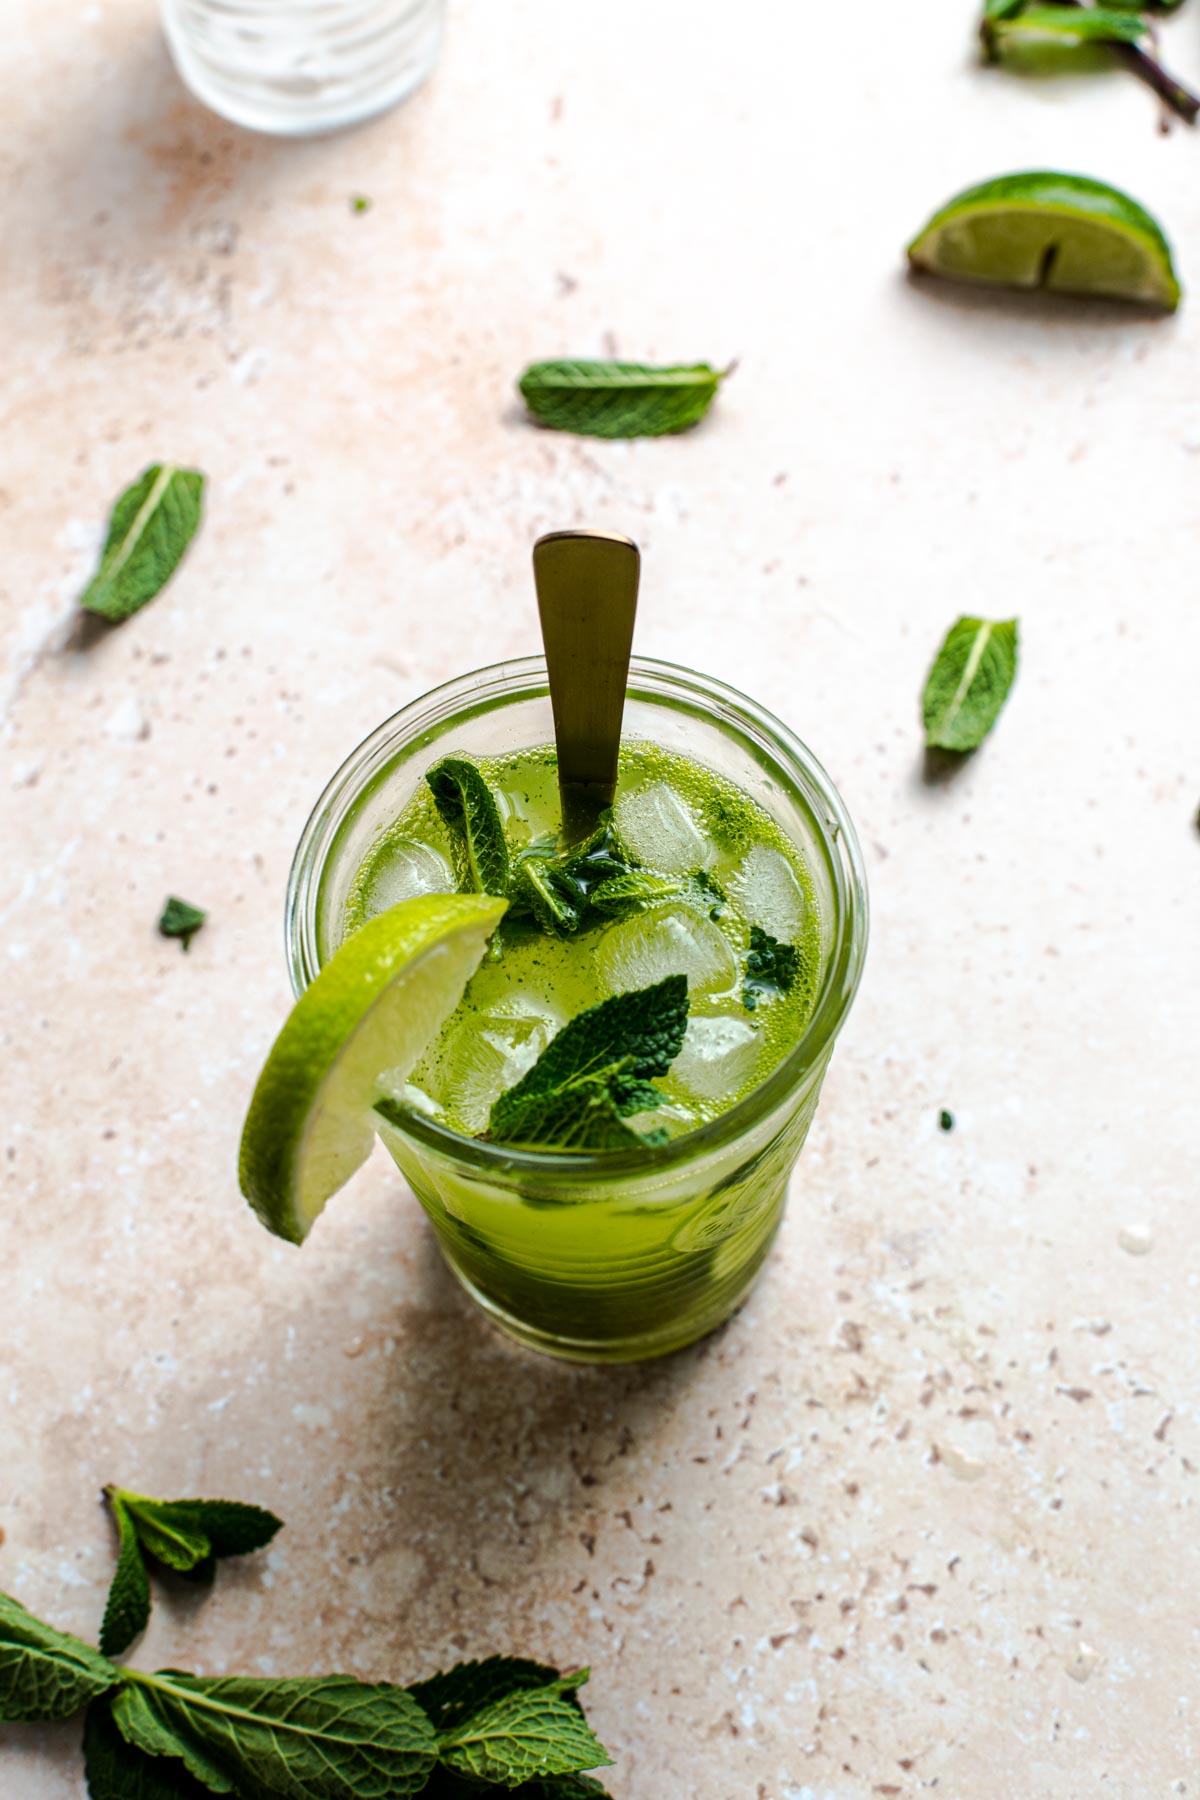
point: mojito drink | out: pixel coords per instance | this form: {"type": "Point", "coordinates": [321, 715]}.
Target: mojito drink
{"type": "Point", "coordinates": [736, 869]}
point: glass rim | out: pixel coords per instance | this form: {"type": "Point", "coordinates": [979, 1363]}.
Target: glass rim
{"type": "Point", "coordinates": [650, 679]}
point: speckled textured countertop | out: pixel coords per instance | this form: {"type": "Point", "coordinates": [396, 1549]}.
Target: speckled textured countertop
{"type": "Point", "coordinates": [920, 1519]}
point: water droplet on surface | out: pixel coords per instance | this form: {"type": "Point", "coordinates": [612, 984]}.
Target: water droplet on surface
{"type": "Point", "coordinates": [960, 1465]}
{"type": "Point", "coordinates": [1082, 1661]}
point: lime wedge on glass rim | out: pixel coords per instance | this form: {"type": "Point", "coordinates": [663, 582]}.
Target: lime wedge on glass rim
{"type": "Point", "coordinates": [1065, 233]}
{"type": "Point", "coordinates": [353, 1036]}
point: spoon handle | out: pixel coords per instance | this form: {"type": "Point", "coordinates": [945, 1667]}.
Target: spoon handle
{"type": "Point", "coordinates": [587, 586]}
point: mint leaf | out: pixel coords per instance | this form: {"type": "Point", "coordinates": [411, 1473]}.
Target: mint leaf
{"type": "Point", "coordinates": [468, 809]}
{"type": "Point", "coordinates": [116, 1770]}
{"type": "Point", "coordinates": [186, 1534]}
{"type": "Point", "coordinates": [454, 1694]}
{"type": "Point", "coordinates": [180, 920]}
{"type": "Point", "coordinates": [969, 682]}
{"type": "Point", "coordinates": [151, 526]}
{"type": "Point", "coordinates": [535, 1732]}
{"type": "Point", "coordinates": [443, 1785]}
{"type": "Point", "coordinates": [623, 895]}
{"type": "Point", "coordinates": [46, 1674]}
{"type": "Point", "coordinates": [553, 909]}
{"type": "Point", "coordinates": [328, 1738]}
{"type": "Point", "coordinates": [127, 1611]}
{"type": "Point", "coordinates": [771, 967]}
{"type": "Point", "coordinates": [596, 1073]}
{"type": "Point", "coordinates": [619, 399]}
{"type": "Point", "coordinates": [1063, 24]}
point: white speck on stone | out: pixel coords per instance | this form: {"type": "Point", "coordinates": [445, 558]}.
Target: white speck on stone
{"type": "Point", "coordinates": [318, 1417]}
{"type": "Point", "coordinates": [1081, 1662]}
{"type": "Point", "coordinates": [1190, 438]}
{"type": "Point", "coordinates": [1138, 1240]}
{"type": "Point", "coordinates": [250, 367]}
{"type": "Point", "coordinates": [960, 1465]}
{"type": "Point", "coordinates": [26, 774]}
{"type": "Point", "coordinates": [128, 724]}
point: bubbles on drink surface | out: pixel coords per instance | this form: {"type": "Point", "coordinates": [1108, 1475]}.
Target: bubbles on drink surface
{"type": "Point", "coordinates": [666, 940]}
{"type": "Point", "coordinates": [660, 830]}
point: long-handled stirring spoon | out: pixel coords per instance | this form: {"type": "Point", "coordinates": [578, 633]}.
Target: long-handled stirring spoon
{"type": "Point", "coordinates": [587, 586]}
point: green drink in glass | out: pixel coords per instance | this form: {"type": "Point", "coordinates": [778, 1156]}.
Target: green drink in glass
{"type": "Point", "coordinates": [756, 895]}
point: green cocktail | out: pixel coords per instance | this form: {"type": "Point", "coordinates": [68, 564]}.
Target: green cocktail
{"type": "Point", "coordinates": [613, 1254]}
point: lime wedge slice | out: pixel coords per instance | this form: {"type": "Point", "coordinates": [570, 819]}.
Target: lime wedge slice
{"type": "Point", "coordinates": [1046, 230]}
{"type": "Point", "coordinates": [353, 1036]}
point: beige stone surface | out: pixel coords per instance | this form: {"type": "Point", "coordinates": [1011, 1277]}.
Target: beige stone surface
{"type": "Point", "coordinates": [922, 1518]}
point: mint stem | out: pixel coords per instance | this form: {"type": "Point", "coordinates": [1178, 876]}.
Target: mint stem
{"type": "Point", "coordinates": [1173, 93]}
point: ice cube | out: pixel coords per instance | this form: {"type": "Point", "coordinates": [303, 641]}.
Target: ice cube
{"type": "Point", "coordinates": [717, 1058]}
{"type": "Point", "coordinates": [666, 940]}
{"type": "Point", "coordinates": [488, 1053]}
{"type": "Point", "coordinates": [411, 868]}
{"type": "Point", "coordinates": [660, 829]}
{"type": "Point", "coordinates": [768, 894]}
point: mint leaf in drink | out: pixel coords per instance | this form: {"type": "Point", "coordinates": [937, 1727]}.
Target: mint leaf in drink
{"type": "Point", "coordinates": [619, 399]}
{"type": "Point", "coordinates": [127, 1611]}
{"type": "Point", "coordinates": [455, 1694]}
{"type": "Point", "coordinates": [529, 1734]}
{"type": "Point", "coordinates": [46, 1674]}
{"type": "Point", "coordinates": [771, 968]}
{"type": "Point", "coordinates": [468, 809]}
{"type": "Point", "coordinates": [623, 895]}
{"type": "Point", "coordinates": [115, 1770]}
{"type": "Point", "coordinates": [178, 919]}
{"type": "Point", "coordinates": [597, 1073]}
{"type": "Point", "coordinates": [969, 682]}
{"type": "Point", "coordinates": [326, 1738]}
{"type": "Point", "coordinates": [151, 526]}
{"type": "Point", "coordinates": [552, 906]}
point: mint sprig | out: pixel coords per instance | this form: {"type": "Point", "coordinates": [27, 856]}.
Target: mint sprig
{"type": "Point", "coordinates": [969, 682]}
{"type": "Point", "coordinates": [151, 526]}
{"type": "Point", "coordinates": [597, 1073]}
{"type": "Point", "coordinates": [505, 1724]}
{"type": "Point", "coordinates": [468, 809]}
{"type": "Point", "coordinates": [619, 399]}
{"type": "Point", "coordinates": [188, 1536]}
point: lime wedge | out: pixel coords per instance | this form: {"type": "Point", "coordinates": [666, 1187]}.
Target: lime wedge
{"type": "Point", "coordinates": [353, 1036]}
{"type": "Point", "coordinates": [1045, 230]}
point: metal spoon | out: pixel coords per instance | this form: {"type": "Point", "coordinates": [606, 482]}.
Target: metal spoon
{"type": "Point", "coordinates": [587, 586]}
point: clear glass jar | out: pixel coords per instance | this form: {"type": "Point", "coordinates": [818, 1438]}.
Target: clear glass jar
{"type": "Point", "coordinates": [619, 1256]}
{"type": "Point", "coordinates": [295, 67]}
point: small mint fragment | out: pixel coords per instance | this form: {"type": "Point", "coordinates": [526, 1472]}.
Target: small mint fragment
{"type": "Point", "coordinates": [946, 1120]}
{"type": "Point", "coordinates": [179, 919]}
{"type": "Point", "coordinates": [771, 968]}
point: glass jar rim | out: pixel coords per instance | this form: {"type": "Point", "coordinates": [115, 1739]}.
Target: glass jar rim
{"type": "Point", "coordinates": [650, 680]}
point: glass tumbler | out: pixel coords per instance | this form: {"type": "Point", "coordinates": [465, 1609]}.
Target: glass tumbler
{"type": "Point", "coordinates": [617, 1256]}
{"type": "Point", "coordinates": [296, 67]}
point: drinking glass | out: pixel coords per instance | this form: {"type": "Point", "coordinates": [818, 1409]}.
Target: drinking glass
{"type": "Point", "coordinates": [621, 1255]}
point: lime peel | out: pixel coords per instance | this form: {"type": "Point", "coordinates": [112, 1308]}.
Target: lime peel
{"type": "Point", "coordinates": [353, 1035]}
